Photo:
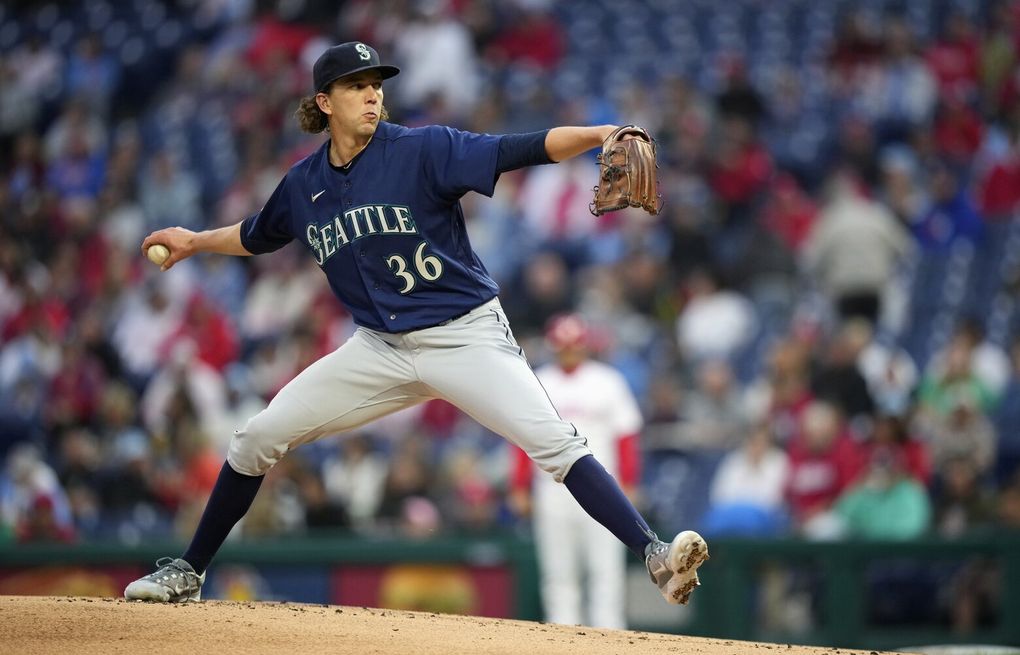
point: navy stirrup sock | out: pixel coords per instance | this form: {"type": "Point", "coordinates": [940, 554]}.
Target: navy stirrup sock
{"type": "Point", "coordinates": [229, 501]}
{"type": "Point", "coordinates": [599, 494]}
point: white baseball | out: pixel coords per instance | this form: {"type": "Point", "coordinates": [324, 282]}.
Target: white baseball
{"type": "Point", "coordinates": [157, 254]}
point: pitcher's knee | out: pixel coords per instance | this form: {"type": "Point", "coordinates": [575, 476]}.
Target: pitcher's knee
{"type": "Point", "coordinates": [558, 461]}
{"type": "Point", "coordinates": [254, 450]}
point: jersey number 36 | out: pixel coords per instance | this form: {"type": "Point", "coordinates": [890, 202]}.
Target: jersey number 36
{"type": "Point", "coordinates": [428, 267]}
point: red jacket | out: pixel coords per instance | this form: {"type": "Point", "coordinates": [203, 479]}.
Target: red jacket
{"type": "Point", "coordinates": [817, 479]}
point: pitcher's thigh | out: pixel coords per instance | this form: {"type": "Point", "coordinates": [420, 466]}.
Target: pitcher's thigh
{"type": "Point", "coordinates": [355, 384]}
{"type": "Point", "coordinates": [495, 385]}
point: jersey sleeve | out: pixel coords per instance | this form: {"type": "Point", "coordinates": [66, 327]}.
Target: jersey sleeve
{"type": "Point", "coordinates": [627, 423]}
{"type": "Point", "coordinates": [520, 150]}
{"type": "Point", "coordinates": [457, 162]}
{"type": "Point", "coordinates": [522, 471]}
{"type": "Point", "coordinates": [269, 229]}
{"type": "Point", "coordinates": [628, 461]}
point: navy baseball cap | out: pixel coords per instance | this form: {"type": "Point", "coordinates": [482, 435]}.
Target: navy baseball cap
{"type": "Point", "coordinates": [347, 58]}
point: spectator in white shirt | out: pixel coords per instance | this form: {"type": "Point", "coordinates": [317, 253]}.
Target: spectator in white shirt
{"type": "Point", "coordinates": [747, 491]}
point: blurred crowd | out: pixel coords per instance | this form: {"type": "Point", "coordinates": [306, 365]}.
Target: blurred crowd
{"type": "Point", "coordinates": [773, 315]}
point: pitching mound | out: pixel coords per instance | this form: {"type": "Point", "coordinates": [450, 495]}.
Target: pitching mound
{"type": "Point", "coordinates": [82, 626]}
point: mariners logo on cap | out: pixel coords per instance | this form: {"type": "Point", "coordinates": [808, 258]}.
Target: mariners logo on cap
{"type": "Point", "coordinates": [347, 59]}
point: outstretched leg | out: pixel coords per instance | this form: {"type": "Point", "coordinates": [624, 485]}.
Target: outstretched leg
{"type": "Point", "coordinates": [598, 493]}
{"type": "Point", "coordinates": [673, 566]}
{"type": "Point", "coordinates": [181, 579]}
{"type": "Point", "coordinates": [228, 503]}
{"type": "Point", "coordinates": [359, 382]}
{"type": "Point", "coordinates": [490, 379]}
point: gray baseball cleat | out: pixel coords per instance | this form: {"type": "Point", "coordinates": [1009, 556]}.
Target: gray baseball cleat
{"type": "Point", "coordinates": [173, 582]}
{"type": "Point", "coordinates": [674, 566]}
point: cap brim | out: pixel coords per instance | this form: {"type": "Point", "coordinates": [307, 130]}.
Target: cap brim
{"type": "Point", "coordinates": [386, 71]}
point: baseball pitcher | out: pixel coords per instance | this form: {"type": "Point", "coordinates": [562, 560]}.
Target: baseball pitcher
{"type": "Point", "coordinates": [378, 208]}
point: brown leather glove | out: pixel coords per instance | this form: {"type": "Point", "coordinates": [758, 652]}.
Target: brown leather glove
{"type": "Point", "coordinates": [627, 173]}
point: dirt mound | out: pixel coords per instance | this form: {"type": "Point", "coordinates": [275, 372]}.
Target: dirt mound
{"type": "Point", "coordinates": [83, 626]}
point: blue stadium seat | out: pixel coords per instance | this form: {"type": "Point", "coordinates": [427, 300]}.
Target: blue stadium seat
{"type": "Point", "coordinates": [98, 16]}
{"type": "Point", "coordinates": [46, 17]}
{"type": "Point", "coordinates": [677, 484]}
{"type": "Point", "coordinates": [10, 35]}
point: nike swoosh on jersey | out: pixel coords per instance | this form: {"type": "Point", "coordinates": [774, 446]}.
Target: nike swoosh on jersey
{"type": "Point", "coordinates": [315, 196]}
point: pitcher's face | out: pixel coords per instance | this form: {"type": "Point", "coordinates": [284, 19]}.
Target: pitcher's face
{"type": "Point", "coordinates": [354, 103]}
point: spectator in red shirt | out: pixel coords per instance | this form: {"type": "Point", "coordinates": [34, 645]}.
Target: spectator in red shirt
{"type": "Point", "coordinates": [999, 188]}
{"type": "Point", "coordinates": [857, 47]}
{"type": "Point", "coordinates": [955, 58]}
{"type": "Point", "coordinates": [824, 460]}
{"type": "Point", "coordinates": [958, 129]}
{"type": "Point", "coordinates": [535, 37]}
{"type": "Point", "coordinates": [892, 436]}
{"type": "Point", "coordinates": [75, 390]}
{"type": "Point", "coordinates": [742, 167]}
{"type": "Point", "coordinates": [211, 331]}
{"type": "Point", "coordinates": [738, 175]}
{"type": "Point", "coordinates": [273, 38]}
{"type": "Point", "coordinates": [91, 252]}
{"type": "Point", "coordinates": [40, 524]}
{"type": "Point", "coordinates": [789, 213]}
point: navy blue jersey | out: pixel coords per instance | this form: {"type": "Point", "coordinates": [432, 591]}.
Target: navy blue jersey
{"type": "Point", "coordinates": [388, 230]}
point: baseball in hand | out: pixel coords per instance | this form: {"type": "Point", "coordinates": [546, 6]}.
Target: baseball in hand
{"type": "Point", "coordinates": [157, 254]}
